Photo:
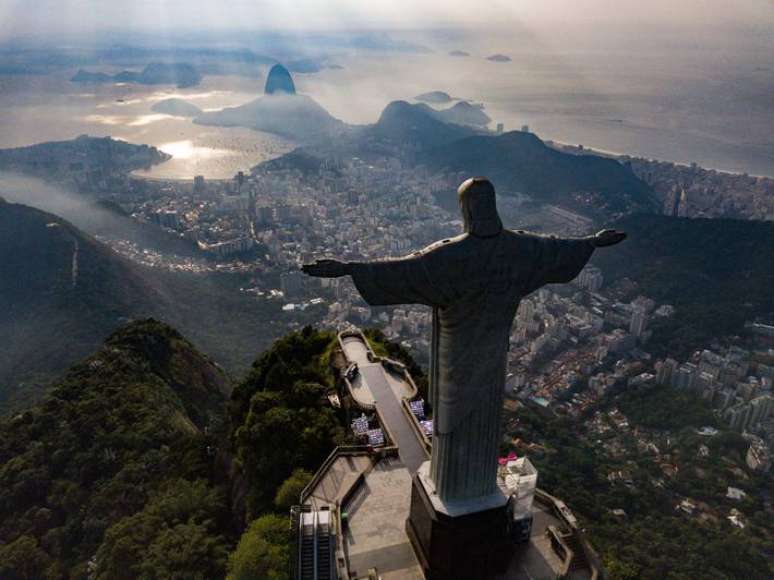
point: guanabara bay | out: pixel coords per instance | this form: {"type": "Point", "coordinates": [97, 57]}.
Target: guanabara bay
{"type": "Point", "coordinates": [337, 291]}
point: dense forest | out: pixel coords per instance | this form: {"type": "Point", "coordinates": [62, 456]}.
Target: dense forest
{"type": "Point", "coordinates": [110, 475]}
{"type": "Point", "coordinates": [282, 419]}
{"type": "Point", "coordinates": [136, 463]}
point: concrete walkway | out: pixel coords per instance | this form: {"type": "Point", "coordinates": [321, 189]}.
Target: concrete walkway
{"type": "Point", "coordinates": [373, 385]}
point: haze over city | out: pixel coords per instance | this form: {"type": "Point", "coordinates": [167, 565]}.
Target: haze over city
{"type": "Point", "coordinates": [312, 290]}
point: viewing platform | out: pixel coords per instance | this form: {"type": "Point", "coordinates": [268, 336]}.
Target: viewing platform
{"type": "Point", "coordinates": [385, 386]}
{"type": "Point", "coordinates": [351, 521]}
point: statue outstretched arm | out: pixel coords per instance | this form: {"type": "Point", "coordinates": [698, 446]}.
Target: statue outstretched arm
{"type": "Point", "coordinates": [560, 260]}
{"type": "Point", "coordinates": [382, 282]}
{"type": "Point", "coordinates": [327, 269]}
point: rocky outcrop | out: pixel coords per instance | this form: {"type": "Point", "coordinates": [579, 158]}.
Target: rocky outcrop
{"type": "Point", "coordinates": [279, 81]}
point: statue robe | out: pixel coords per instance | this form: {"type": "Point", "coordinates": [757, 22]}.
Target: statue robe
{"type": "Point", "coordinates": [474, 285]}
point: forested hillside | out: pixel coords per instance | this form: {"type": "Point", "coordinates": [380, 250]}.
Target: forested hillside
{"type": "Point", "coordinates": [282, 419]}
{"type": "Point", "coordinates": [63, 292]}
{"type": "Point", "coordinates": [521, 162]}
{"type": "Point", "coordinates": [110, 477]}
{"type": "Point", "coordinates": [136, 465]}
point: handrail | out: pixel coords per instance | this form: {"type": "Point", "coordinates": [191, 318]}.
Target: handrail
{"type": "Point", "coordinates": [373, 357]}
{"type": "Point", "coordinates": [340, 450]}
{"type": "Point", "coordinates": [568, 555]}
{"type": "Point", "coordinates": [561, 512]}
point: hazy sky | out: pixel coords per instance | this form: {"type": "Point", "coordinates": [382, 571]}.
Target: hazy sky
{"type": "Point", "coordinates": [44, 17]}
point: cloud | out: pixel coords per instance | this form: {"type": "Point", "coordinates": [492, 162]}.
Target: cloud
{"type": "Point", "coordinates": [37, 193]}
{"type": "Point", "coordinates": [19, 17]}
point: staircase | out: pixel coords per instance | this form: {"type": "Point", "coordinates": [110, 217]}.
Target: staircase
{"type": "Point", "coordinates": [579, 561]}
{"type": "Point", "coordinates": [324, 551]}
{"type": "Point", "coordinates": [315, 551]}
{"type": "Point", "coordinates": [307, 551]}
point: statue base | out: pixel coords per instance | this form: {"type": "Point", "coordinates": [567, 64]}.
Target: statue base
{"type": "Point", "coordinates": [466, 539]}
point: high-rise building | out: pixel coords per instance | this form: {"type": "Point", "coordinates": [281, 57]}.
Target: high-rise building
{"type": "Point", "coordinates": [167, 219]}
{"type": "Point", "coordinates": [738, 416]}
{"type": "Point", "coordinates": [199, 185]}
{"type": "Point", "coordinates": [239, 178]}
{"type": "Point", "coordinates": [703, 381]}
{"type": "Point", "coordinates": [666, 370]}
{"type": "Point", "coordinates": [685, 376]}
{"type": "Point", "coordinates": [638, 321]}
{"type": "Point", "coordinates": [264, 215]}
{"type": "Point", "coordinates": [724, 398]}
{"type": "Point", "coordinates": [526, 312]}
{"type": "Point", "coordinates": [758, 457]}
{"type": "Point", "coordinates": [590, 278]}
{"type": "Point", "coordinates": [760, 409]}
{"type": "Point", "coordinates": [682, 204]}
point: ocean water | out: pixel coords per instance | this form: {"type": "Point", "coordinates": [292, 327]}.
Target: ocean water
{"type": "Point", "coordinates": [41, 109]}
{"type": "Point", "coordinates": [712, 107]}
{"type": "Point", "coordinates": [715, 108]}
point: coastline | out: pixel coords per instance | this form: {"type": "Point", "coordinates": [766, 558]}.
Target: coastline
{"type": "Point", "coordinates": [618, 155]}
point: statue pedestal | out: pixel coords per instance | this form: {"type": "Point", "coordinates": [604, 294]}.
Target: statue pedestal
{"type": "Point", "coordinates": [466, 539]}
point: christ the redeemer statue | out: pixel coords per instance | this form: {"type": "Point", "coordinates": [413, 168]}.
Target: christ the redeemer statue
{"type": "Point", "coordinates": [474, 283]}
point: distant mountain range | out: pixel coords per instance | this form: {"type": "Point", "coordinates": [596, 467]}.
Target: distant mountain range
{"type": "Point", "coordinates": [280, 110]}
{"type": "Point", "coordinates": [453, 140]}
{"type": "Point", "coordinates": [284, 112]}
{"type": "Point", "coordinates": [157, 73]}
{"type": "Point", "coordinates": [515, 161]}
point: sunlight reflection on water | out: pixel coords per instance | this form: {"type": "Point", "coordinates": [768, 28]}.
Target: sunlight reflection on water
{"type": "Point", "coordinates": [187, 150]}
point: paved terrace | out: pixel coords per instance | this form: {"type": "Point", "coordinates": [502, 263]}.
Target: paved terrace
{"type": "Point", "coordinates": [373, 489]}
{"type": "Point", "coordinates": [376, 536]}
{"type": "Point", "coordinates": [376, 386]}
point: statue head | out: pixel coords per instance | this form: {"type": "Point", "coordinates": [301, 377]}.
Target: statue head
{"type": "Point", "coordinates": [479, 207]}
